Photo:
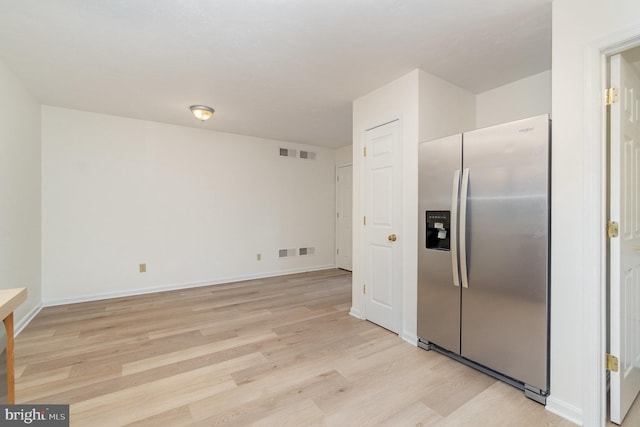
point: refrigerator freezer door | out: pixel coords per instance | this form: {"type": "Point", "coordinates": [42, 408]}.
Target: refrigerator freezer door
{"type": "Point", "coordinates": [438, 295]}
{"type": "Point", "coordinates": [504, 309]}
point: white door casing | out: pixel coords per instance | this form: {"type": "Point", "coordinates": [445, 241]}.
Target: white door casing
{"type": "Point", "coordinates": [344, 217]}
{"type": "Point", "coordinates": [380, 226]}
{"type": "Point", "coordinates": [624, 268]}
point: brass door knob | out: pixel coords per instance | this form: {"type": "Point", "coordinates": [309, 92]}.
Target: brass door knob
{"type": "Point", "coordinates": [392, 237]}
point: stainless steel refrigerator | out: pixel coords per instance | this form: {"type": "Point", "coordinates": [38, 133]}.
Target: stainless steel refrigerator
{"type": "Point", "coordinates": [483, 256]}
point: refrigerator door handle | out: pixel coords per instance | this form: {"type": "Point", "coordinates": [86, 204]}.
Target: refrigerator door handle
{"type": "Point", "coordinates": [463, 227]}
{"type": "Point", "coordinates": [454, 227]}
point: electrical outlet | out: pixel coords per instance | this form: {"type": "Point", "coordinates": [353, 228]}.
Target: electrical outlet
{"type": "Point", "coordinates": [258, 257]}
{"type": "Point", "coordinates": [143, 268]}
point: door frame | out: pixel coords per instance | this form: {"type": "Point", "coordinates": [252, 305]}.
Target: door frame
{"type": "Point", "coordinates": [594, 386]}
{"type": "Point", "coordinates": [337, 233]}
{"type": "Point", "coordinates": [359, 223]}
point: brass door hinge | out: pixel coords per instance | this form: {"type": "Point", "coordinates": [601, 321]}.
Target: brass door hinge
{"type": "Point", "coordinates": [364, 220]}
{"type": "Point", "coordinates": [364, 151]}
{"type": "Point", "coordinates": [611, 363]}
{"type": "Point", "coordinates": [612, 229]}
{"type": "Point", "coordinates": [337, 251]}
{"type": "Point", "coordinates": [610, 95]}
{"type": "Point", "coordinates": [364, 289]}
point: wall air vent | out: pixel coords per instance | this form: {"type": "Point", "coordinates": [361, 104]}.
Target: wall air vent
{"type": "Point", "coordinates": [287, 152]}
{"type": "Point", "coordinates": [310, 155]}
{"type": "Point", "coordinates": [307, 251]}
{"type": "Point", "coordinates": [286, 252]}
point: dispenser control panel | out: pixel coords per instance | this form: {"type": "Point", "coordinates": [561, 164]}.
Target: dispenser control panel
{"type": "Point", "coordinates": [438, 230]}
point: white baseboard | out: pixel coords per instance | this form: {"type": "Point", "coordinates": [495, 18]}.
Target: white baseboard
{"type": "Point", "coordinates": [355, 312]}
{"type": "Point", "coordinates": [410, 338]}
{"type": "Point", "coordinates": [19, 326]}
{"type": "Point", "coordinates": [177, 286]}
{"type": "Point", "coordinates": [564, 410]}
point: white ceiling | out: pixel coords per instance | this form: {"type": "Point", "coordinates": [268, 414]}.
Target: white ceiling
{"type": "Point", "coordinates": [281, 69]}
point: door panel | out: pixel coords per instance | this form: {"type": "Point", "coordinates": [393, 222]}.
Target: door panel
{"type": "Point", "coordinates": [381, 267]}
{"type": "Point", "coordinates": [624, 258]}
{"type": "Point", "coordinates": [504, 309]}
{"type": "Point", "coordinates": [438, 297]}
{"type": "Point", "coordinates": [382, 198]}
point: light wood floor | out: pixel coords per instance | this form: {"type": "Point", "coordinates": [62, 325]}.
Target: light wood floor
{"type": "Point", "coordinates": [272, 352]}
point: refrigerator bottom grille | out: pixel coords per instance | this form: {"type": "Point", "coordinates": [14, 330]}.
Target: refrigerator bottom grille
{"type": "Point", "coordinates": [531, 392]}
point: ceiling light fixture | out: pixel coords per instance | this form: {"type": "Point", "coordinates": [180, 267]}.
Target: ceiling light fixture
{"type": "Point", "coordinates": [201, 112]}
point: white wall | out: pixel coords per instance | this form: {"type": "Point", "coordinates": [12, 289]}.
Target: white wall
{"type": "Point", "coordinates": [577, 24]}
{"type": "Point", "coordinates": [196, 206]}
{"type": "Point", "coordinates": [445, 109]}
{"type": "Point", "coordinates": [19, 193]}
{"type": "Point", "coordinates": [417, 100]}
{"type": "Point", "coordinates": [523, 98]}
{"type": "Point", "coordinates": [344, 155]}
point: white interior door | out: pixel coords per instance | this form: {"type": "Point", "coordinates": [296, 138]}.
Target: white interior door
{"type": "Point", "coordinates": [381, 224]}
{"type": "Point", "coordinates": [344, 216]}
{"type": "Point", "coordinates": [624, 266]}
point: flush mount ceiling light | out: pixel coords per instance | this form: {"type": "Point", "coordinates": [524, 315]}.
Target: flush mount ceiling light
{"type": "Point", "coordinates": [201, 112]}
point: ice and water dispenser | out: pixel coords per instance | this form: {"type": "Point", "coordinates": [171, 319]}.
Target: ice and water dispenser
{"type": "Point", "coordinates": [438, 230]}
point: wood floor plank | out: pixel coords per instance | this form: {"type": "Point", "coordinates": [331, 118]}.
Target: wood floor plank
{"type": "Point", "coordinates": [453, 385]}
{"type": "Point", "coordinates": [353, 407]}
{"type": "Point", "coordinates": [191, 353]}
{"type": "Point", "coordinates": [177, 417]}
{"type": "Point", "coordinates": [414, 414]}
{"type": "Point", "coordinates": [73, 389]}
{"type": "Point", "coordinates": [299, 414]}
{"type": "Point", "coordinates": [271, 352]}
{"type": "Point", "coordinates": [281, 403]}
{"type": "Point", "coordinates": [498, 405]}
{"type": "Point", "coordinates": [133, 404]}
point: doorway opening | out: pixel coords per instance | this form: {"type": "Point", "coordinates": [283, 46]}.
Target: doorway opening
{"type": "Point", "coordinates": [344, 217]}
